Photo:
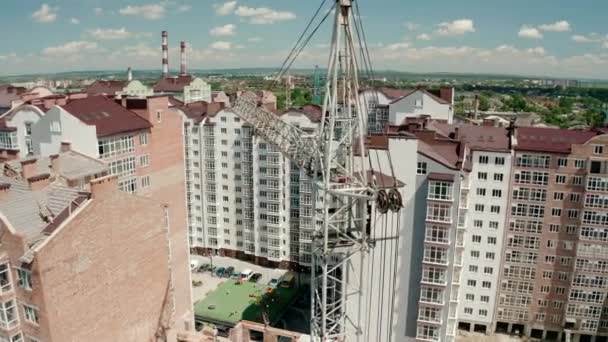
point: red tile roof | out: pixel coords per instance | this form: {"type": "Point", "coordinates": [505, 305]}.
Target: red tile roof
{"type": "Point", "coordinates": [172, 84]}
{"type": "Point", "coordinates": [394, 93]}
{"type": "Point", "coordinates": [109, 117]}
{"type": "Point", "coordinates": [312, 112]}
{"type": "Point", "coordinates": [485, 138]}
{"type": "Point", "coordinates": [105, 87]}
{"type": "Point", "coordinates": [433, 96]}
{"type": "Point", "coordinates": [198, 111]}
{"type": "Point", "coordinates": [550, 140]}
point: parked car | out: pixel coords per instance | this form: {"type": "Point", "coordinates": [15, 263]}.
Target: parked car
{"type": "Point", "coordinates": [228, 272]}
{"type": "Point", "coordinates": [273, 282]}
{"type": "Point", "coordinates": [235, 275]}
{"type": "Point", "coordinates": [220, 272]}
{"type": "Point", "coordinates": [255, 277]}
{"type": "Point", "coordinates": [193, 264]}
{"type": "Point", "coordinates": [203, 268]}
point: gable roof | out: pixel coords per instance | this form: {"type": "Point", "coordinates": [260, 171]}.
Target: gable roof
{"type": "Point", "coordinates": [105, 87]}
{"type": "Point", "coordinates": [433, 96]}
{"type": "Point", "coordinates": [550, 140]}
{"type": "Point", "coordinates": [486, 138]}
{"type": "Point", "coordinates": [172, 84]}
{"type": "Point", "coordinates": [198, 111]}
{"type": "Point", "coordinates": [313, 112]}
{"type": "Point", "coordinates": [109, 117]}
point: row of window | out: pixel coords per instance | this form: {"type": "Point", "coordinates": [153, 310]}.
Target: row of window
{"type": "Point", "coordinates": [486, 160]}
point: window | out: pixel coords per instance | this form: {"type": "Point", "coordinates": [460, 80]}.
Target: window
{"type": "Point", "coordinates": [562, 162]}
{"type": "Point", "coordinates": [482, 175]}
{"type": "Point", "coordinates": [143, 139]}
{"type": "Point", "coordinates": [494, 224]}
{"type": "Point", "coordinates": [598, 149]}
{"type": "Point", "coordinates": [8, 314]}
{"type": "Point", "coordinates": [475, 254]}
{"type": "Point", "coordinates": [495, 209]}
{"type": "Point", "coordinates": [497, 193]}
{"type": "Point", "coordinates": [554, 228]}
{"type": "Point", "coordinates": [558, 196]}
{"type": "Point", "coordinates": [481, 191]}
{"type": "Point", "coordinates": [478, 223]}
{"type": "Point", "coordinates": [486, 285]}
{"type": "Point", "coordinates": [30, 313]}
{"type": "Point", "coordinates": [476, 238]}
{"type": "Point", "coordinates": [158, 116]}
{"type": "Point", "coordinates": [491, 240]}
{"type": "Point", "coordinates": [490, 255]}
{"type": "Point", "coordinates": [470, 297]}
{"type": "Point", "coordinates": [468, 311]}
{"type": "Point", "coordinates": [144, 160]}
{"type": "Point", "coordinates": [577, 180]}
{"type": "Point", "coordinates": [471, 282]}
{"type": "Point", "coordinates": [483, 312]}
{"type": "Point", "coordinates": [556, 212]}
{"type": "Point", "coordinates": [575, 197]}
{"type": "Point", "coordinates": [579, 163]}
{"type": "Point", "coordinates": [533, 160]}
{"type": "Point", "coordinates": [115, 146]}
{"type": "Point", "coordinates": [473, 268]}
{"type": "Point", "coordinates": [484, 159]}
{"type": "Point", "coordinates": [420, 170]}
{"type": "Point", "coordinates": [145, 181]}
{"type": "Point", "coordinates": [5, 280]}
{"type": "Point", "coordinates": [123, 167]}
{"type": "Point", "coordinates": [498, 177]}
{"type": "Point", "coordinates": [479, 208]}
{"type": "Point", "coordinates": [488, 270]}
{"type": "Point", "coordinates": [128, 185]}
{"type": "Point", "coordinates": [572, 213]}
{"type": "Point", "coordinates": [499, 160]}
{"type": "Point", "coordinates": [25, 278]}
{"type": "Point", "coordinates": [440, 190]}
{"type": "Point", "coordinates": [560, 179]}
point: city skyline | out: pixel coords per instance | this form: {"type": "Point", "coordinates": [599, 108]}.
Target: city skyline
{"type": "Point", "coordinates": [515, 38]}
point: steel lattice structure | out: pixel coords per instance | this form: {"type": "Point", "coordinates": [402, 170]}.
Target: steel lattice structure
{"type": "Point", "coordinates": [335, 159]}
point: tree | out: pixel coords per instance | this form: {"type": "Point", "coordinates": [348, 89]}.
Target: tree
{"type": "Point", "coordinates": [484, 103]}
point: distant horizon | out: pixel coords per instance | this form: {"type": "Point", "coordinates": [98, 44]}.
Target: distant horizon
{"type": "Point", "coordinates": [175, 72]}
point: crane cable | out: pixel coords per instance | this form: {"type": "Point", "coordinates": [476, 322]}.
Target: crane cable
{"type": "Point", "coordinates": [297, 48]}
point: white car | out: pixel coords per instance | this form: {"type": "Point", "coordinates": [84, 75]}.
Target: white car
{"type": "Point", "coordinates": [193, 264]}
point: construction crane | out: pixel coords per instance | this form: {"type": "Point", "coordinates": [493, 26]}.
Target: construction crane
{"type": "Point", "coordinates": [345, 191]}
{"type": "Point", "coordinates": [317, 91]}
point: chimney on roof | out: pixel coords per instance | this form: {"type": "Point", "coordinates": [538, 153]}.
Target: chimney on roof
{"type": "Point", "coordinates": [129, 74]}
{"type": "Point", "coordinates": [102, 185]}
{"type": "Point", "coordinates": [39, 182]}
{"type": "Point", "coordinates": [54, 162]}
{"type": "Point", "coordinates": [165, 36]}
{"type": "Point", "coordinates": [66, 146]}
{"type": "Point", "coordinates": [28, 168]}
{"type": "Point", "coordinates": [182, 69]}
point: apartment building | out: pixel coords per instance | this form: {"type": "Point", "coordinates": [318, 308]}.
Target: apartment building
{"type": "Point", "coordinates": [245, 199]}
{"type": "Point", "coordinates": [541, 250]}
{"type": "Point", "coordinates": [483, 210]}
{"type": "Point", "coordinates": [120, 239]}
{"type": "Point", "coordinates": [391, 106]}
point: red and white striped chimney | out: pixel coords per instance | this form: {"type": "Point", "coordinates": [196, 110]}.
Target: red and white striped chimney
{"type": "Point", "coordinates": [182, 70]}
{"type": "Point", "coordinates": [165, 54]}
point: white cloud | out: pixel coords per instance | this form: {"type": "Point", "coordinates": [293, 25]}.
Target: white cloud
{"type": "Point", "coordinates": [184, 8]}
{"type": "Point", "coordinates": [139, 51]}
{"type": "Point", "coordinates": [424, 36]}
{"type": "Point", "coordinates": [456, 27]}
{"type": "Point", "coordinates": [397, 46]}
{"type": "Point", "coordinates": [110, 34]}
{"type": "Point", "coordinates": [150, 12]}
{"type": "Point", "coordinates": [46, 14]}
{"type": "Point", "coordinates": [254, 39]}
{"type": "Point", "coordinates": [558, 26]}
{"type": "Point", "coordinates": [221, 45]}
{"type": "Point", "coordinates": [411, 26]}
{"type": "Point", "coordinates": [263, 15]}
{"type": "Point", "coordinates": [590, 38]}
{"type": "Point", "coordinates": [74, 21]}
{"type": "Point", "coordinates": [539, 51]}
{"type": "Point", "coordinates": [70, 48]}
{"type": "Point", "coordinates": [529, 32]}
{"type": "Point", "coordinates": [226, 30]}
{"type": "Point", "coordinates": [225, 8]}
{"type": "Point", "coordinates": [98, 11]}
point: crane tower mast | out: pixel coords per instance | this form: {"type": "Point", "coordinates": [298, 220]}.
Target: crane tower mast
{"type": "Point", "coordinates": [335, 159]}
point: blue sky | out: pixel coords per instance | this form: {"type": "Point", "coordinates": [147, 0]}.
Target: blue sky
{"type": "Point", "coordinates": [562, 38]}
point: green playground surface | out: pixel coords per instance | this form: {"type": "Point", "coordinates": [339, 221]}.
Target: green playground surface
{"type": "Point", "coordinates": [232, 302]}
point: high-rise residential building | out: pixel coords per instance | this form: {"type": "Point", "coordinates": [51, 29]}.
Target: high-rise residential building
{"type": "Point", "coordinates": [245, 198]}
{"type": "Point", "coordinates": [72, 256]}
{"type": "Point", "coordinates": [552, 273]}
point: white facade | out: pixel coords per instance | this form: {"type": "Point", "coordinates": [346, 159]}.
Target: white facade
{"type": "Point", "coordinates": [487, 206]}
{"type": "Point", "coordinates": [243, 195]}
{"type": "Point", "coordinates": [197, 90]}
{"type": "Point", "coordinates": [58, 126]}
{"type": "Point", "coordinates": [419, 103]}
{"type": "Point", "coordinates": [23, 119]}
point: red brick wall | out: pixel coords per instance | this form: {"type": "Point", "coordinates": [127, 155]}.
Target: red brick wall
{"type": "Point", "coordinates": [104, 276]}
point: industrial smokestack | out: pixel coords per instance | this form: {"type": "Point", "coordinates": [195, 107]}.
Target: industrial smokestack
{"type": "Point", "coordinates": [182, 70]}
{"type": "Point", "coordinates": [129, 74]}
{"type": "Point", "coordinates": [165, 54]}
